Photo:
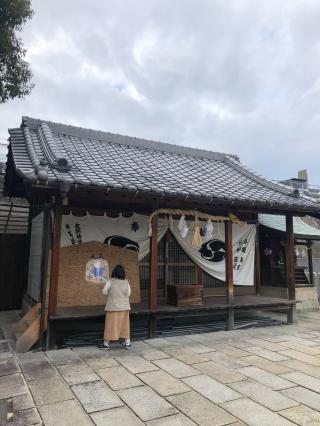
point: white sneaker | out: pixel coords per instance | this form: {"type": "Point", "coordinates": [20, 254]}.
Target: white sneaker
{"type": "Point", "coordinates": [103, 346]}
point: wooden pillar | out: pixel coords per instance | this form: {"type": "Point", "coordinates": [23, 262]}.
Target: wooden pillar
{"type": "Point", "coordinates": [290, 266]}
{"type": "Point", "coordinates": [152, 332]}
{"type": "Point", "coordinates": [44, 273]}
{"type": "Point", "coordinates": [200, 281]}
{"type": "Point", "coordinates": [154, 264]}
{"type": "Point", "coordinates": [199, 276]}
{"type": "Point", "coordinates": [257, 262]}
{"type": "Point", "coordinates": [166, 264]}
{"type": "Point", "coordinates": [153, 277]}
{"type": "Point", "coordinates": [55, 257]}
{"type": "Point", "coordinates": [229, 274]}
{"type": "Point", "coordinates": [28, 247]}
{"type": "Point", "coordinates": [310, 263]}
{"type": "Point", "coordinates": [290, 257]}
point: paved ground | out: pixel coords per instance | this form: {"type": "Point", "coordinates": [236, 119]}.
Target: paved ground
{"type": "Point", "coordinates": [266, 376]}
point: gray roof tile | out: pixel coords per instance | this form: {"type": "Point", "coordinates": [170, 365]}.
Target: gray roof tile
{"type": "Point", "coordinates": [89, 157]}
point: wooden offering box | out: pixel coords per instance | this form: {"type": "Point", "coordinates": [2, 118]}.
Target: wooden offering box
{"type": "Point", "coordinates": [184, 294]}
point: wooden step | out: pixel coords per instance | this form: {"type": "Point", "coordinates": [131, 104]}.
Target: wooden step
{"type": "Point", "coordinates": [17, 335]}
{"type": "Point", "coordinates": [29, 316]}
{"type": "Point", "coordinates": [27, 330]}
{"type": "Point", "coordinates": [300, 276]}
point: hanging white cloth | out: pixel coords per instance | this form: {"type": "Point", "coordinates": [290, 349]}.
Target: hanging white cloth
{"type": "Point", "coordinates": [135, 230]}
{"type": "Point", "coordinates": [209, 229]}
{"type": "Point", "coordinates": [87, 228]}
{"type": "Point", "coordinates": [211, 255]}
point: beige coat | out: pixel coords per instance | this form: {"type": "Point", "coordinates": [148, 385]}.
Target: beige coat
{"type": "Point", "coordinates": [118, 292]}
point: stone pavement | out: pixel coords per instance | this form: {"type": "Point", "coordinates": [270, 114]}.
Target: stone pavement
{"type": "Point", "coordinates": [259, 377]}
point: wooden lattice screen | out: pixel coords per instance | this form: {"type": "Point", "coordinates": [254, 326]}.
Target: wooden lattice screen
{"type": "Point", "coordinates": [174, 267]}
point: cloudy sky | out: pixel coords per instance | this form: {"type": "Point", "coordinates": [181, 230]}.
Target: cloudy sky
{"type": "Point", "coordinates": [236, 76]}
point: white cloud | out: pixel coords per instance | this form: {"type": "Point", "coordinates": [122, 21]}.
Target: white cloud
{"type": "Point", "coordinates": [218, 111]}
{"type": "Point", "coordinates": [228, 76]}
{"type": "Point", "coordinates": [131, 91]}
{"type": "Point", "coordinates": [59, 43]}
{"type": "Point", "coordinates": [144, 46]}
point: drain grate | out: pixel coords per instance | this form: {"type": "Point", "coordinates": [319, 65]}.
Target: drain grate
{"type": "Point", "coordinates": [166, 328]}
{"type": "Point", "coordinates": [211, 326]}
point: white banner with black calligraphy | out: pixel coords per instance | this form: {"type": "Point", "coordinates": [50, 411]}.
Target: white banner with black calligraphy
{"type": "Point", "coordinates": [129, 232]}
{"type": "Point", "coordinates": [211, 255]}
{"type": "Point", "coordinates": [133, 233]}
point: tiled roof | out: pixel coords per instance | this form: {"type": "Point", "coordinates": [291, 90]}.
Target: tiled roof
{"type": "Point", "coordinates": [300, 228]}
{"type": "Point", "coordinates": [52, 152]}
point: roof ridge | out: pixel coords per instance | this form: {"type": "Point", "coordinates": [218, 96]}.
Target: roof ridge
{"type": "Point", "coordinates": [57, 160]}
{"type": "Point", "coordinates": [35, 161]}
{"type": "Point", "coordinates": [33, 123]}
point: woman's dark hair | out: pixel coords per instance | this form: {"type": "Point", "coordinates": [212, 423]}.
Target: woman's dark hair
{"type": "Point", "coordinates": [118, 272]}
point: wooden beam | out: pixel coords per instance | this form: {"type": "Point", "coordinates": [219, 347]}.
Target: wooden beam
{"type": "Point", "coordinates": [154, 264]}
{"type": "Point", "coordinates": [310, 263]}
{"type": "Point", "coordinates": [174, 200]}
{"type": "Point", "coordinates": [55, 258]}
{"type": "Point", "coordinates": [257, 262]}
{"type": "Point", "coordinates": [229, 273]}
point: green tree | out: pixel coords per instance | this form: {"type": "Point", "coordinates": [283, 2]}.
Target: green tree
{"type": "Point", "coordinates": [15, 74]}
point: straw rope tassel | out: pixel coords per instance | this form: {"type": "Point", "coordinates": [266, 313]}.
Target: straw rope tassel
{"type": "Point", "coordinates": [170, 222]}
{"type": "Point", "coordinates": [194, 213]}
{"type": "Point", "coordinates": [196, 239]}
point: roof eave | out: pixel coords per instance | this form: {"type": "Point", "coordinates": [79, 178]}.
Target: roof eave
{"type": "Point", "coordinates": [159, 195]}
{"type": "Point", "coordinates": [296, 236]}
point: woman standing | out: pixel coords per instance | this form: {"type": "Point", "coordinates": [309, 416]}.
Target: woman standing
{"type": "Point", "coordinates": [117, 325]}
